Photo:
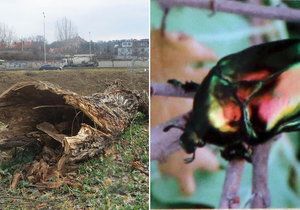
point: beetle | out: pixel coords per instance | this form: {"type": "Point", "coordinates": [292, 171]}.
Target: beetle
{"type": "Point", "coordinates": [246, 99]}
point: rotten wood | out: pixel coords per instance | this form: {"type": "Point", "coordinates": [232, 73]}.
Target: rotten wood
{"type": "Point", "coordinates": [16, 141]}
{"type": "Point", "coordinates": [69, 127]}
{"type": "Point", "coordinates": [50, 130]}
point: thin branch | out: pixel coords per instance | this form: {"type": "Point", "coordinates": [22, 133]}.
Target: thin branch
{"type": "Point", "coordinates": [163, 21]}
{"type": "Point", "coordinates": [256, 22]}
{"type": "Point", "coordinates": [236, 7]}
{"type": "Point", "coordinates": [260, 191]}
{"type": "Point", "coordinates": [230, 198]}
{"type": "Point", "coordinates": [164, 143]}
{"type": "Point", "coordinates": [161, 89]}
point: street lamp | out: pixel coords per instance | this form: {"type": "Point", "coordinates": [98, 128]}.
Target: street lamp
{"type": "Point", "coordinates": [90, 45]}
{"type": "Point", "coordinates": [45, 60]}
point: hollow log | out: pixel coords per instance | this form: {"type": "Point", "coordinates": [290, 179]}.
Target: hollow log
{"type": "Point", "coordinates": [80, 127]}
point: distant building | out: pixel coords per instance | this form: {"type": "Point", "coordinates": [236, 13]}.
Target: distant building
{"type": "Point", "coordinates": [127, 44]}
{"type": "Point", "coordinates": [130, 49]}
{"type": "Point", "coordinates": [125, 50]}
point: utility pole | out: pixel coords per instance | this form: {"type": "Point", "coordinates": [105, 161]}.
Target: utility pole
{"type": "Point", "coordinates": [45, 59]}
{"type": "Point", "coordinates": [90, 45]}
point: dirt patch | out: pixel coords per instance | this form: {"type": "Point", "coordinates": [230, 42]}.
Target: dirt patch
{"type": "Point", "coordinates": [81, 81]}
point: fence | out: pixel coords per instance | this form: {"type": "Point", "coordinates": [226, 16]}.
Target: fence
{"type": "Point", "coordinates": [10, 65]}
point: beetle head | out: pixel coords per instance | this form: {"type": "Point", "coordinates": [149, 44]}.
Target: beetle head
{"type": "Point", "coordinates": [189, 141]}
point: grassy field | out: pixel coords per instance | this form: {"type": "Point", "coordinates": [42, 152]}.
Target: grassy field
{"type": "Point", "coordinates": [105, 182]}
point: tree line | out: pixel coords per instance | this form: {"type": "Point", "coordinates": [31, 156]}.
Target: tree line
{"type": "Point", "coordinates": [65, 29]}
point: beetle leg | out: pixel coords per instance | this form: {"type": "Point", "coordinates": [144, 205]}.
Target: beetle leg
{"type": "Point", "coordinates": [187, 86]}
{"type": "Point", "coordinates": [237, 151]}
{"type": "Point", "coordinates": [190, 159]}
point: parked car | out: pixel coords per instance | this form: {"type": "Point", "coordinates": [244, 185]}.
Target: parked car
{"type": "Point", "coordinates": [50, 67]}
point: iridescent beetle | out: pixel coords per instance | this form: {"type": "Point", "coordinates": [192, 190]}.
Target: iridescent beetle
{"type": "Point", "coordinates": [246, 99]}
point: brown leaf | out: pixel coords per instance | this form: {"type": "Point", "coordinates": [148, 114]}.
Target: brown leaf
{"type": "Point", "coordinates": [61, 163]}
{"type": "Point", "coordinates": [109, 151]}
{"type": "Point", "coordinates": [139, 166]}
{"type": "Point", "coordinates": [15, 180]}
{"type": "Point", "coordinates": [107, 182]}
{"type": "Point", "coordinates": [184, 173]}
{"type": "Point", "coordinates": [41, 206]}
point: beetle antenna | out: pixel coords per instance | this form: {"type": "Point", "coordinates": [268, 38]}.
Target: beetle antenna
{"type": "Point", "coordinates": [166, 129]}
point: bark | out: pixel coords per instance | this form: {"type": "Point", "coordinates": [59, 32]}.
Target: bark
{"type": "Point", "coordinates": [260, 191]}
{"type": "Point", "coordinates": [230, 198]}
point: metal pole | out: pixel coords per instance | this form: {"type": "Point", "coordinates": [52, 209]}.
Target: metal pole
{"type": "Point", "coordinates": [90, 46]}
{"type": "Point", "coordinates": [45, 59]}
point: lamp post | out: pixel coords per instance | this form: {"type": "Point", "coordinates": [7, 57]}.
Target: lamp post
{"type": "Point", "coordinates": [45, 59]}
{"type": "Point", "coordinates": [90, 47]}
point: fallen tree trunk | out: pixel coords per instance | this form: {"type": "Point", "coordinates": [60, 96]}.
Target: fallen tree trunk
{"type": "Point", "coordinates": [69, 127]}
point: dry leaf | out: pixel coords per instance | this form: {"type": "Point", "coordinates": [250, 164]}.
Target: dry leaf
{"type": "Point", "coordinates": [184, 173]}
{"type": "Point", "coordinates": [107, 182]}
{"type": "Point", "coordinates": [137, 165]}
{"type": "Point", "coordinates": [41, 206]}
{"type": "Point", "coordinates": [16, 178]}
{"type": "Point", "coordinates": [109, 151]}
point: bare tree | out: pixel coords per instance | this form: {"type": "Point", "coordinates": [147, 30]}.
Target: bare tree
{"type": "Point", "coordinates": [7, 35]}
{"type": "Point", "coordinates": [65, 29]}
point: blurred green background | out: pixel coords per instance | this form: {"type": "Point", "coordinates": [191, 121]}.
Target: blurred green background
{"type": "Point", "coordinates": [225, 34]}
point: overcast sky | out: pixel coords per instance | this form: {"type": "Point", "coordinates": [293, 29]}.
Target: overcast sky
{"type": "Point", "coordinates": [105, 19]}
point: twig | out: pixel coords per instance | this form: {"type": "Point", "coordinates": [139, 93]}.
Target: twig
{"type": "Point", "coordinates": [261, 195]}
{"type": "Point", "coordinates": [161, 89]}
{"type": "Point", "coordinates": [142, 170]}
{"type": "Point", "coordinates": [230, 198]}
{"type": "Point", "coordinates": [53, 106]}
{"type": "Point", "coordinates": [260, 191]}
{"type": "Point", "coordinates": [165, 143]}
{"type": "Point", "coordinates": [163, 21]}
{"type": "Point", "coordinates": [256, 22]}
{"type": "Point", "coordinates": [236, 7]}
